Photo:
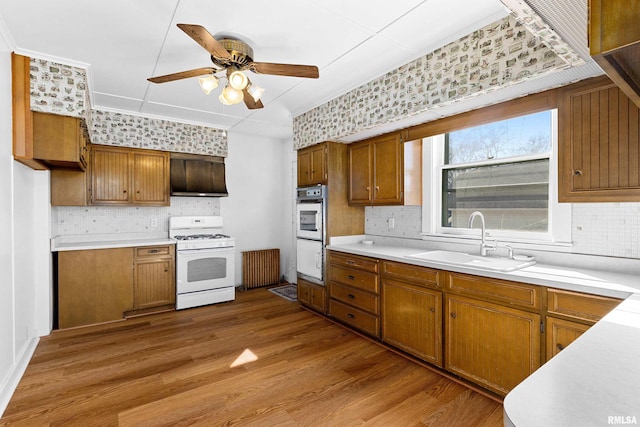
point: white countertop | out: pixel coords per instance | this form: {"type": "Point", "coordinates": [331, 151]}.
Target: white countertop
{"type": "Point", "coordinates": [106, 241]}
{"type": "Point", "coordinates": [595, 381]}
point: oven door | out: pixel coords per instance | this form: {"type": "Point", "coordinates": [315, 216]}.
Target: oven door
{"type": "Point", "coordinates": [204, 269]}
{"type": "Point", "coordinates": [309, 220]}
{"type": "Point", "coordinates": [310, 259]}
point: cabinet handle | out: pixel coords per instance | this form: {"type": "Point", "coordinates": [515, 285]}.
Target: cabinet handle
{"type": "Point", "coordinates": [351, 316]}
{"type": "Point", "coordinates": [351, 296]}
{"type": "Point", "coordinates": [377, 188]}
{"type": "Point", "coordinates": [453, 315]}
{"type": "Point", "coordinates": [153, 251]}
{"type": "Point", "coordinates": [350, 277]}
{"type": "Point", "coordinates": [368, 189]}
{"type": "Point", "coordinates": [166, 271]}
{"type": "Point", "coordinates": [124, 191]}
{"type": "Point", "coordinates": [433, 310]}
{"type": "Point", "coordinates": [560, 346]}
{"type": "Point", "coordinates": [577, 172]}
{"type": "Point", "coordinates": [351, 262]}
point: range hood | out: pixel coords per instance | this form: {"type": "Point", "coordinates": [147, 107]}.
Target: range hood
{"type": "Point", "coordinates": [195, 175]}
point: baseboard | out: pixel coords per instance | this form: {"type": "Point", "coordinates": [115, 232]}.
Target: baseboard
{"type": "Point", "coordinates": [15, 375]}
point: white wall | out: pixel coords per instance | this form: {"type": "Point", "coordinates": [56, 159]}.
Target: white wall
{"type": "Point", "coordinates": [258, 210]}
{"type": "Point", "coordinates": [24, 255]}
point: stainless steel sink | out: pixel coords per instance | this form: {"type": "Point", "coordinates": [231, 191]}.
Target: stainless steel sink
{"type": "Point", "coordinates": [475, 261]}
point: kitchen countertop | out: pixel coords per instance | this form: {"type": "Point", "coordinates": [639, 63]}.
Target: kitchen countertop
{"type": "Point", "coordinates": [595, 381]}
{"type": "Point", "coordinates": [106, 241]}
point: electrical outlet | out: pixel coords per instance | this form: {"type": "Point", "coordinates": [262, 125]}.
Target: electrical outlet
{"type": "Point", "coordinates": [391, 223]}
{"type": "Point", "coordinates": [154, 222]}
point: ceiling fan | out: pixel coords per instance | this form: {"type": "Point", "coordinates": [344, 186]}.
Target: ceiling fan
{"type": "Point", "coordinates": [233, 56]}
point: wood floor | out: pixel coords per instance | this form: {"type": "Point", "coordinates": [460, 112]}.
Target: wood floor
{"type": "Point", "coordinates": [176, 369]}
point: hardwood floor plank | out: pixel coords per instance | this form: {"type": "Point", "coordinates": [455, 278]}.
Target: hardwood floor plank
{"type": "Point", "coordinates": [175, 368]}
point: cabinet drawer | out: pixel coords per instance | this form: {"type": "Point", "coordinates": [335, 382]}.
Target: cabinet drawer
{"type": "Point", "coordinates": [580, 306]}
{"type": "Point", "coordinates": [147, 251]}
{"type": "Point", "coordinates": [421, 276]}
{"type": "Point", "coordinates": [501, 291]}
{"type": "Point", "coordinates": [355, 278]}
{"type": "Point", "coordinates": [355, 297]}
{"type": "Point", "coordinates": [355, 261]}
{"type": "Point", "coordinates": [357, 318]}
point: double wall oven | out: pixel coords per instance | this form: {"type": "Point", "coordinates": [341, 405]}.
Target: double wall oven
{"type": "Point", "coordinates": [310, 232]}
{"type": "Point", "coordinates": [205, 261]}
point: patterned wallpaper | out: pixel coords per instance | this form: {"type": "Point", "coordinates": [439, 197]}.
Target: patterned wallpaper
{"type": "Point", "coordinates": [108, 128]}
{"type": "Point", "coordinates": [62, 89]}
{"type": "Point", "coordinates": [499, 54]}
{"type": "Point", "coordinates": [58, 88]}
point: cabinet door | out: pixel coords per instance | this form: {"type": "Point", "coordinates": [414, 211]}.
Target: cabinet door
{"type": "Point", "coordinates": [154, 283]}
{"type": "Point", "coordinates": [150, 178]}
{"type": "Point", "coordinates": [494, 346]}
{"type": "Point", "coordinates": [388, 173]}
{"type": "Point", "coordinates": [359, 173]}
{"type": "Point", "coordinates": [110, 176]}
{"type": "Point", "coordinates": [58, 140]}
{"type": "Point", "coordinates": [304, 168]}
{"type": "Point", "coordinates": [412, 319]}
{"type": "Point", "coordinates": [561, 333]}
{"type": "Point", "coordinates": [94, 286]}
{"type": "Point", "coordinates": [318, 165]}
{"type": "Point", "coordinates": [599, 144]}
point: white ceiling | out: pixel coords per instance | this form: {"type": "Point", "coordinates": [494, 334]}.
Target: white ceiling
{"type": "Point", "coordinates": [123, 42]}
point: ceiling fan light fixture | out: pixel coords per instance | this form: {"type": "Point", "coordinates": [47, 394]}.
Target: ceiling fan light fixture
{"type": "Point", "coordinates": [209, 83]}
{"type": "Point", "coordinates": [230, 96]}
{"type": "Point", "coordinates": [255, 91]}
{"type": "Point", "coordinates": [237, 79]}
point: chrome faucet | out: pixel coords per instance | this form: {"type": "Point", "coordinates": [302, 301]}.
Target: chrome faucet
{"type": "Point", "coordinates": [484, 246]}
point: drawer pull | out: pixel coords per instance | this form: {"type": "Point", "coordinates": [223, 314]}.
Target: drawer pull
{"type": "Point", "coordinates": [351, 316]}
{"type": "Point", "coordinates": [560, 346]}
{"type": "Point", "coordinates": [577, 172]}
{"type": "Point", "coordinates": [350, 262]}
{"type": "Point", "coordinates": [351, 296]}
{"type": "Point", "coordinates": [153, 251]}
{"type": "Point", "coordinates": [453, 315]}
{"type": "Point", "coordinates": [350, 277]}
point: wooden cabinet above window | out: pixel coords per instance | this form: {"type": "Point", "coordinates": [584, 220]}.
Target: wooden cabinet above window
{"type": "Point", "coordinates": [614, 42]}
{"type": "Point", "coordinates": [599, 144]}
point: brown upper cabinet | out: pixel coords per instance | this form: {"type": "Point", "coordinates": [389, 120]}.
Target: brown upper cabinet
{"type": "Point", "coordinates": [599, 140]}
{"type": "Point", "coordinates": [312, 165]}
{"type": "Point", "coordinates": [59, 141]}
{"type": "Point", "coordinates": [614, 42]}
{"type": "Point", "coordinates": [376, 173]}
{"type": "Point", "coordinates": [126, 176]}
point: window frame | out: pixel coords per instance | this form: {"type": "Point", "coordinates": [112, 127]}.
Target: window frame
{"type": "Point", "coordinates": [559, 230]}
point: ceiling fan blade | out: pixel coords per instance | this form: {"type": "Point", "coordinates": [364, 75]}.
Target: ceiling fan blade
{"type": "Point", "coordinates": [250, 102]}
{"type": "Point", "coordinates": [205, 39]}
{"type": "Point", "coordinates": [308, 71]}
{"type": "Point", "coordinates": [182, 75]}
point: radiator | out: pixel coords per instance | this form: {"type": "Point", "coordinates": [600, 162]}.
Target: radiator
{"type": "Point", "coordinates": [260, 268]}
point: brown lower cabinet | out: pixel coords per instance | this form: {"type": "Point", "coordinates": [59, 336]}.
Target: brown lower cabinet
{"type": "Point", "coordinates": [312, 295]}
{"type": "Point", "coordinates": [94, 286]}
{"type": "Point", "coordinates": [494, 346]}
{"type": "Point", "coordinates": [101, 285]}
{"type": "Point", "coordinates": [491, 332]}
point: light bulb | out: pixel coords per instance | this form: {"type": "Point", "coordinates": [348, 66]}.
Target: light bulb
{"type": "Point", "coordinates": [209, 83]}
{"type": "Point", "coordinates": [237, 79]}
{"type": "Point", "coordinates": [230, 96]}
{"type": "Point", "coordinates": [255, 91]}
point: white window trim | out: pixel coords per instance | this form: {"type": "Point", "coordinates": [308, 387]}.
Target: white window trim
{"type": "Point", "coordinates": [557, 237]}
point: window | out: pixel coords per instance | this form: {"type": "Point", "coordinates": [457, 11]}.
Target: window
{"type": "Point", "coordinates": [504, 169]}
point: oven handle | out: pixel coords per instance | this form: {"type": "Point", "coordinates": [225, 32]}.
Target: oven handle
{"type": "Point", "coordinates": [228, 249]}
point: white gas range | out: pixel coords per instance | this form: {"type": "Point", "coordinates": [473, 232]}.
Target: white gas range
{"type": "Point", "coordinates": [205, 261]}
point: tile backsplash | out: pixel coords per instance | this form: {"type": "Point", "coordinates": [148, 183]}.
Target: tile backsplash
{"type": "Point", "coordinates": [605, 229]}
{"type": "Point", "coordinates": [125, 220]}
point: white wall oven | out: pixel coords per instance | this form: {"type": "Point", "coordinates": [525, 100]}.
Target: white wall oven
{"type": "Point", "coordinates": [310, 233]}
{"type": "Point", "coordinates": [205, 261]}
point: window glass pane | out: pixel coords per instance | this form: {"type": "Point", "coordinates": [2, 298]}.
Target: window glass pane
{"type": "Point", "coordinates": [512, 196]}
{"type": "Point", "coordinates": [530, 134]}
